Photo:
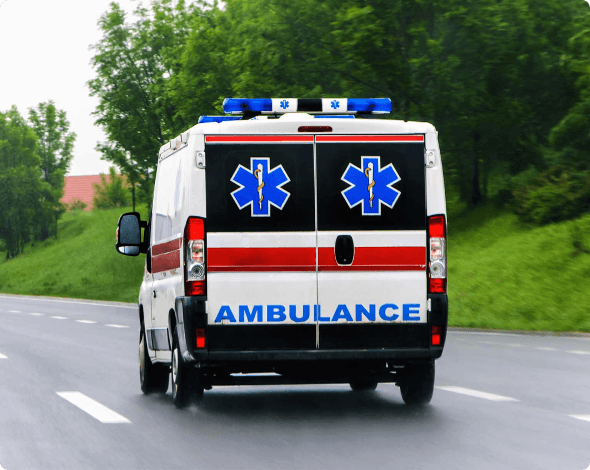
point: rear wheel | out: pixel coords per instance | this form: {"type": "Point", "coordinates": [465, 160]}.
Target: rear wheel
{"type": "Point", "coordinates": [417, 385]}
{"type": "Point", "coordinates": [363, 385]}
{"type": "Point", "coordinates": [181, 392]}
{"type": "Point", "coordinates": [152, 377]}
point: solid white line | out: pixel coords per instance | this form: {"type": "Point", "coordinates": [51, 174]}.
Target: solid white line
{"type": "Point", "coordinates": [583, 353]}
{"type": "Point", "coordinates": [582, 417]}
{"type": "Point", "coordinates": [93, 408]}
{"type": "Point", "coordinates": [477, 394]}
{"type": "Point", "coordinates": [85, 321]}
{"type": "Point", "coordinates": [2, 356]}
{"type": "Point", "coordinates": [37, 314]}
{"type": "Point", "coordinates": [483, 333]}
{"type": "Point", "coordinates": [59, 318]}
{"type": "Point", "coordinates": [543, 348]}
{"type": "Point", "coordinates": [71, 302]}
{"type": "Point", "coordinates": [118, 326]}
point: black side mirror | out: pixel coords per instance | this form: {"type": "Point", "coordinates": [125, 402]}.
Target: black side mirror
{"type": "Point", "coordinates": [129, 234]}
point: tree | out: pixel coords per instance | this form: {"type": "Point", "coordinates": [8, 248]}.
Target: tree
{"type": "Point", "coordinates": [111, 193]}
{"type": "Point", "coordinates": [56, 145]}
{"type": "Point", "coordinates": [21, 186]}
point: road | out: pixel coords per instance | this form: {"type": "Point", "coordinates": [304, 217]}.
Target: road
{"type": "Point", "coordinates": [503, 401]}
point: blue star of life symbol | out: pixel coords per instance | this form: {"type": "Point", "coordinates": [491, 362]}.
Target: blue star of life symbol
{"type": "Point", "coordinates": [260, 187]}
{"type": "Point", "coordinates": [370, 185]}
{"type": "Point", "coordinates": [335, 104]}
{"type": "Point", "coordinates": [284, 104]}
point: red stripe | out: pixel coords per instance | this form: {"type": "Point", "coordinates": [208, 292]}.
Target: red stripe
{"type": "Point", "coordinates": [166, 247]}
{"type": "Point", "coordinates": [392, 258]}
{"type": "Point", "coordinates": [260, 259]}
{"type": "Point", "coordinates": [166, 261]}
{"type": "Point", "coordinates": [258, 138]}
{"type": "Point", "coordinates": [370, 138]}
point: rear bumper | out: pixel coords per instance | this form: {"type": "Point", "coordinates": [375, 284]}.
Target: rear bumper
{"type": "Point", "coordinates": [191, 314]}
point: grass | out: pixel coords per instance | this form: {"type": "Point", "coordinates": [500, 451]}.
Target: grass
{"type": "Point", "coordinates": [81, 263]}
{"type": "Point", "coordinates": [502, 275]}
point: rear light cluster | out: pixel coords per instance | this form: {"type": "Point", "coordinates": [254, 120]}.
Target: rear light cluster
{"type": "Point", "coordinates": [436, 333]}
{"type": "Point", "coordinates": [437, 265]}
{"type": "Point", "coordinates": [195, 268]}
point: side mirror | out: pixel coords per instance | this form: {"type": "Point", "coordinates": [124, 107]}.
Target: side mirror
{"type": "Point", "coordinates": [129, 234]}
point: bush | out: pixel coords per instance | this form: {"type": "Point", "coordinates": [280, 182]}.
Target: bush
{"type": "Point", "coordinates": [77, 205]}
{"type": "Point", "coordinates": [554, 195]}
{"type": "Point", "coordinates": [111, 193]}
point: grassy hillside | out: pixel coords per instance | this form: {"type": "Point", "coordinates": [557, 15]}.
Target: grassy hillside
{"type": "Point", "coordinates": [501, 274]}
{"type": "Point", "coordinates": [81, 263]}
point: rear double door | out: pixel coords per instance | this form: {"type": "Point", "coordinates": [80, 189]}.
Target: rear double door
{"type": "Point", "coordinates": [303, 252]}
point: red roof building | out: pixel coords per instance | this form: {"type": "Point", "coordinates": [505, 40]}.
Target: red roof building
{"type": "Point", "coordinates": [80, 187]}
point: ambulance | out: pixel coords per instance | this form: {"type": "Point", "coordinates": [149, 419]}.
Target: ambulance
{"type": "Point", "coordinates": [293, 241]}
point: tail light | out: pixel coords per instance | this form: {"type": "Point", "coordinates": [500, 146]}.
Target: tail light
{"type": "Point", "coordinates": [436, 332]}
{"type": "Point", "coordinates": [437, 264]}
{"type": "Point", "coordinates": [195, 266]}
{"type": "Point", "coordinates": [200, 338]}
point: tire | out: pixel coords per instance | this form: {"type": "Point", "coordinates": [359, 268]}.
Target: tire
{"type": "Point", "coordinates": [153, 378]}
{"type": "Point", "coordinates": [363, 385]}
{"type": "Point", "coordinates": [181, 392]}
{"type": "Point", "coordinates": [418, 384]}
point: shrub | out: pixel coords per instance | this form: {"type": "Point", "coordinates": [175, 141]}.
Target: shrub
{"type": "Point", "coordinates": [111, 193]}
{"type": "Point", "coordinates": [77, 205]}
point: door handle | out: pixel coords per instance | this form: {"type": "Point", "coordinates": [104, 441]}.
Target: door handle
{"type": "Point", "coordinates": [344, 250]}
{"type": "Point", "coordinates": [154, 294]}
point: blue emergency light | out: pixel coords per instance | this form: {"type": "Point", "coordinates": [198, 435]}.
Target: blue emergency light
{"type": "Point", "coordinates": [205, 119]}
{"type": "Point", "coordinates": [313, 105]}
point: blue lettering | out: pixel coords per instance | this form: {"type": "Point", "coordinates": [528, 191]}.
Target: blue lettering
{"type": "Point", "coordinates": [318, 314]}
{"type": "Point", "coordinates": [254, 315]}
{"type": "Point", "coordinates": [293, 314]}
{"type": "Point", "coordinates": [275, 313]}
{"type": "Point", "coordinates": [225, 313]}
{"type": "Point", "coordinates": [360, 311]}
{"type": "Point", "coordinates": [411, 309]}
{"type": "Point", "coordinates": [342, 312]}
{"type": "Point", "coordinates": [383, 312]}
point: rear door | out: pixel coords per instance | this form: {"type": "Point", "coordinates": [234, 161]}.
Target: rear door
{"type": "Point", "coordinates": [261, 242]}
{"type": "Point", "coordinates": [371, 221]}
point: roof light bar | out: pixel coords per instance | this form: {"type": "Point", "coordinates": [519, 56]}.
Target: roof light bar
{"type": "Point", "coordinates": [319, 105]}
{"type": "Point", "coordinates": [205, 119]}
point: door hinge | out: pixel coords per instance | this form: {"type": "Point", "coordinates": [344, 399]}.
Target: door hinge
{"type": "Point", "coordinates": [429, 157]}
{"type": "Point", "coordinates": [200, 159]}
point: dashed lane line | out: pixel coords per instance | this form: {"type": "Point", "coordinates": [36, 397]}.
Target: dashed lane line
{"type": "Point", "coordinates": [112, 325]}
{"type": "Point", "coordinates": [2, 356]}
{"type": "Point", "coordinates": [40, 299]}
{"type": "Point", "coordinates": [14, 311]}
{"type": "Point", "coordinates": [93, 408]}
{"type": "Point", "coordinates": [582, 353]}
{"type": "Point", "coordinates": [86, 321]}
{"type": "Point", "coordinates": [59, 318]}
{"type": "Point", "coordinates": [35, 314]}
{"type": "Point", "coordinates": [582, 417]}
{"type": "Point", "coordinates": [546, 348]}
{"type": "Point", "coordinates": [476, 393]}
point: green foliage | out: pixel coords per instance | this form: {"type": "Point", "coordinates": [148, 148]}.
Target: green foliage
{"type": "Point", "coordinates": [111, 193]}
{"type": "Point", "coordinates": [56, 145]}
{"type": "Point", "coordinates": [21, 187]}
{"type": "Point", "coordinates": [77, 205]}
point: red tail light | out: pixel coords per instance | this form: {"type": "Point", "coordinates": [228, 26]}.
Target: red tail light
{"type": "Point", "coordinates": [437, 261]}
{"type": "Point", "coordinates": [200, 342]}
{"type": "Point", "coordinates": [195, 266]}
{"type": "Point", "coordinates": [436, 332]}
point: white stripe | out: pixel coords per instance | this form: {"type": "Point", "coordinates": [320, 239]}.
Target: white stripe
{"type": "Point", "coordinates": [376, 238]}
{"type": "Point", "coordinates": [105, 304]}
{"type": "Point", "coordinates": [544, 348]}
{"type": "Point", "coordinates": [59, 318]}
{"type": "Point", "coordinates": [477, 394]}
{"type": "Point", "coordinates": [118, 326]}
{"type": "Point", "coordinates": [583, 353]}
{"type": "Point", "coordinates": [582, 417]}
{"type": "Point", "coordinates": [261, 240]}
{"type": "Point", "coordinates": [37, 314]}
{"type": "Point", "coordinates": [93, 408]}
{"type": "Point", "coordinates": [515, 345]}
{"type": "Point", "coordinates": [85, 321]}
{"type": "Point", "coordinates": [15, 311]}
{"type": "Point", "coordinates": [2, 356]}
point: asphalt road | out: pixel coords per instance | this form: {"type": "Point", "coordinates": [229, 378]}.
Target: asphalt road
{"type": "Point", "coordinates": [503, 401]}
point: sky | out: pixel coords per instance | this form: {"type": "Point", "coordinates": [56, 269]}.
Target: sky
{"type": "Point", "coordinates": [44, 56]}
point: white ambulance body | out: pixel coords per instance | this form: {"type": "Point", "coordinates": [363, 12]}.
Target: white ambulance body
{"type": "Point", "coordinates": [293, 248]}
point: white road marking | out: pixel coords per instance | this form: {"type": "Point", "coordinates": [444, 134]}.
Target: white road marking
{"type": "Point", "coordinates": [117, 326]}
{"type": "Point", "coordinates": [582, 353]}
{"type": "Point", "coordinates": [37, 314]}
{"type": "Point", "coordinates": [2, 356]}
{"type": "Point", "coordinates": [544, 348]}
{"type": "Point", "coordinates": [93, 408]}
{"type": "Point", "coordinates": [483, 333]}
{"type": "Point", "coordinates": [582, 417]}
{"type": "Point", "coordinates": [85, 321]}
{"type": "Point", "coordinates": [515, 345]}
{"type": "Point", "coordinates": [71, 302]}
{"type": "Point", "coordinates": [59, 318]}
{"type": "Point", "coordinates": [476, 393]}
{"type": "Point", "coordinates": [15, 311]}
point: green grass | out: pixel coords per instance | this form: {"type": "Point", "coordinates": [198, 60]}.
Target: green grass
{"type": "Point", "coordinates": [81, 263]}
{"type": "Point", "coordinates": [502, 275]}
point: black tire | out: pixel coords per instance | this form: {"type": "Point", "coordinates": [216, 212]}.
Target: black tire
{"type": "Point", "coordinates": [364, 385]}
{"type": "Point", "coordinates": [417, 385]}
{"type": "Point", "coordinates": [153, 378]}
{"type": "Point", "coordinates": [181, 391]}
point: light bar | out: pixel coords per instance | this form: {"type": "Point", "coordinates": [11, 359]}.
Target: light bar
{"type": "Point", "coordinates": [314, 105]}
{"type": "Point", "coordinates": [334, 116]}
{"type": "Point", "coordinates": [205, 119]}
